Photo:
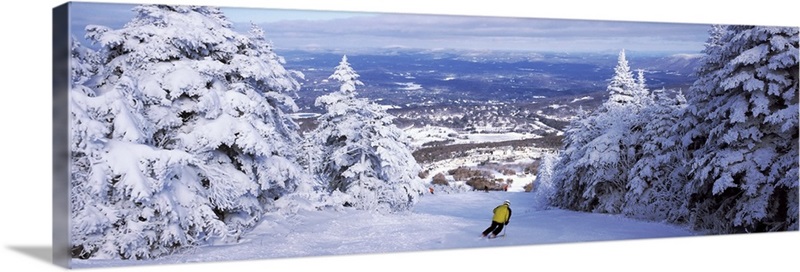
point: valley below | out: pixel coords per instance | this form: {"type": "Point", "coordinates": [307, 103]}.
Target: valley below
{"type": "Point", "coordinates": [480, 120]}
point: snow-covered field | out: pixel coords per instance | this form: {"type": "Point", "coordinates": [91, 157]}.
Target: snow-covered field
{"type": "Point", "coordinates": [520, 157]}
{"type": "Point", "coordinates": [438, 221]}
{"type": "Point", "coordinates": [422, 135]}
{"type": "Point", "coordinates": [508, 157]}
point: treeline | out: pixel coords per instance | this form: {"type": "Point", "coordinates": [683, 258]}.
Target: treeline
{"type": "Point", "coordinates": [722, 159]}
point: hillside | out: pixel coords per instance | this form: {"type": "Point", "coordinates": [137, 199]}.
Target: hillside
{"type": "Point", "coordinates": [438, 221]}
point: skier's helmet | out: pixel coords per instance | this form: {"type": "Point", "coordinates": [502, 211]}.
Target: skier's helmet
{"type": "Point", "coordinates": [507, 202]}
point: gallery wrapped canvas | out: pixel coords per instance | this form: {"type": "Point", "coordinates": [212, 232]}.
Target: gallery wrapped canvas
{"type": "Point", "coordinates": [194, 133]}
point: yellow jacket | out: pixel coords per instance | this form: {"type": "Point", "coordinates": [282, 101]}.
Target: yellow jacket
{"type": "Point", "coordinates": [502, 213]}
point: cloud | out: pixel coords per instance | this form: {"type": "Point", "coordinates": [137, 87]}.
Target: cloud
{"type": "Point", "coordinates": [474, 32]}
{"type": "Point", "coordinates": [340, 30]}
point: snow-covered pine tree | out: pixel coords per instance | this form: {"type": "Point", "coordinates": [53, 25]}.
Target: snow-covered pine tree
{"type": "Point", "coordinates": [359, 153]}
{"type": "Point", "coordinates": [88, 215]}
{"type": "Point", "coordinates": [186, 138]}
{"type": "Point", "coordinates": [566, 178]}
{"type": "Point", "coordinates": [601, 148]}
{"type": "Point", "coordinates": [642, 97]}
{"type": "Point", "coordinates": [744, 132]}
{"type": "Point", "coordinates": [622, 88]}
{"type": "Point", "coordinates": [272, 75]}
{"type": "Point", "coordinates": [84, 63]}
{"type": "Point", "coordinates": [690, 123]}
{"type": "Point", "coordinates": [347, 77]}
{"type": "Point", "coordinates": [543, 187]}
{"type": "Point", "coordinates": [656, 180]}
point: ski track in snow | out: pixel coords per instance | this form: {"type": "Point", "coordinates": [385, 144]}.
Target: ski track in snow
{"type": "Point", "coordinates": [439, 221]}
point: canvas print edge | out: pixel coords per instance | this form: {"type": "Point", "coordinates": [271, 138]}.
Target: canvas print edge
{"type": "Point", "coordinates": [60, 134]}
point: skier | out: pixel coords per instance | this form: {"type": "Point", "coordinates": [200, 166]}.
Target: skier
{"type": "Point", "coordinates": [502, 215]}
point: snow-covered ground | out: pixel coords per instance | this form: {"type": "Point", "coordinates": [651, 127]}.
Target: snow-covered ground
{"type": "Point", "coordinates": [422, 135]}
{"type": "Point", "coordinates": [438, 221]}
{"type": "Point", "coordinates": [495, 137]}
{"type": "Point", "coordinates": [473, 162]}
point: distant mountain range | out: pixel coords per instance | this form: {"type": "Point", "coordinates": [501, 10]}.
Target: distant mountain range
{"type": "Point", "coordinates": [482, 90]}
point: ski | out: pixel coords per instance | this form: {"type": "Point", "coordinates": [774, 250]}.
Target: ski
{"type": "Point", "coordinates": [491, 237]}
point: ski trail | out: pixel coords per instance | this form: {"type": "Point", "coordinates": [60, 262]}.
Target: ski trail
{"type": "Point", "coordinates": [441, 221]}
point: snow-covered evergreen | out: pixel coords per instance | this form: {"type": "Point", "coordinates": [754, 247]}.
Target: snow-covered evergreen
{"type": "Point", "coordinates": [655, 188]}
{"type": "Point", "coordinates": [642, 96]}
{"type": "Point", "coordinates": [723, 159]}
{"type": "Point", "coordinates": [362, 157]}
{"type": "Point", "coordinates": [600, 148]}
{"type": "Point", "coordinates": [622, 88]}
{"type": "Point", "coordinates": [182, 138]}
{"type": "Point", "coordinates": [543, 187]}
{"type": "Point", "coordinates": [576, 135]}
{"type": "Point", "coordinates": [743, 137]}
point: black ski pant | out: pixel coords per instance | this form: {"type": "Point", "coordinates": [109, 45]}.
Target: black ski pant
{"type": "Point", "coordinates": [495, 228]}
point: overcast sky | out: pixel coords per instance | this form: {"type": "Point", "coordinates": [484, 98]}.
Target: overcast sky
{"type": "Point", "coordinates": [294, 29]}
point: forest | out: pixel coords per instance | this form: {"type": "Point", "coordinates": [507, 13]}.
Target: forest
{"type": "Point", "coordinates": [721, 158]}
